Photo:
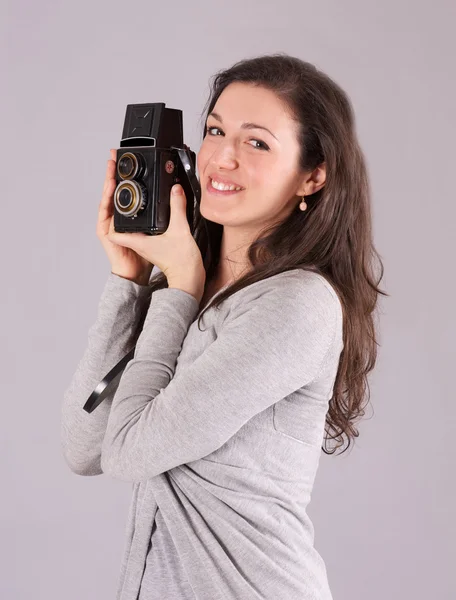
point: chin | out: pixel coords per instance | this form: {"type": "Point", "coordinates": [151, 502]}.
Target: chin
{"type": "Point", "coordinates": [210, 212]}
{"type": "Point", "coordinates": [212, 216]}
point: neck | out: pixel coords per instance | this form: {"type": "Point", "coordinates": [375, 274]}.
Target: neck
{"type": "Point", "coordinates": [233, 262]}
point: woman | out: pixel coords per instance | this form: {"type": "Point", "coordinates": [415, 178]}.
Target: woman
{"type": "Point", "coordinates": [220, 428]}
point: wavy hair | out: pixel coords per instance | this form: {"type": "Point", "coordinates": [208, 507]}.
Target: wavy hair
{"type": "Point", "coordinates": [333, 237]}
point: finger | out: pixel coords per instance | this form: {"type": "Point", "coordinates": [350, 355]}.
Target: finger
{"type": "Point", "coordinates": [111, 226]}
{"type": "Point", "coordinates": [129, 240]}
{"type": "Point", "coordinates": [106, 203]}
{"type": "Point", "coordinates": [111, 166]}
{"type": "Point", "coordinates": [110, 178]}
{"type": "Point", "coordinates": [109, 173]}
{"type": "Point", "coordinates": [106, 206]}
{"type": "Point", "coordinates": [178, 203]}
{"type": "Point", "coordinates": [114, 235]}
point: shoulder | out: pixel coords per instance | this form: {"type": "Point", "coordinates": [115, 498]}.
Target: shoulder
{"type": "Point", "coordinates": [295, 313]}
{"type": "Point", "coordinates": [298, 285]}
{"type": "Point", "coordinates": [296, 298]}
{"type": "Point", "coordinates": [312, 288]}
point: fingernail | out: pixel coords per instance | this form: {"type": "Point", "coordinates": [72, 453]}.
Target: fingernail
{"type": "Point", "coordinates": [177, 189]}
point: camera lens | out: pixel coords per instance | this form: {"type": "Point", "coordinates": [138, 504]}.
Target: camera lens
{"type": "Point", "coordinates": [124, 198]}
{"type": "Point", "coordinates": [128, 166]}
{"type": "Point", "coordinates": [130, 198]}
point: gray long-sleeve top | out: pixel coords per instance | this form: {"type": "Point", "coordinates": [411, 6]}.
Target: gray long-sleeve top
{"type": "Point", "coordinates": [219, 430]}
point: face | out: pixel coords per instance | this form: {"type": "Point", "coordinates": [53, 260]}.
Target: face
{"type": "Point", "coordinates": [263, 163]}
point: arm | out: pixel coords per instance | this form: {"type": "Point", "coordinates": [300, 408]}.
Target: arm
{"type": "Point", "coordinates": [121, 311]}
{"type": "Point", "coordinates": [267, 349]}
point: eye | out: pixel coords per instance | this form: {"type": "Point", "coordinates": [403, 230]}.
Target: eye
{"type": "Point", "coordinates": [262, 145]}
{"type": "Point", "coordinates": [208, 129]}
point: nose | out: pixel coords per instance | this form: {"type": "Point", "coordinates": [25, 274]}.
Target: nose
{"type": "Point", "coordinates": [224, 156]}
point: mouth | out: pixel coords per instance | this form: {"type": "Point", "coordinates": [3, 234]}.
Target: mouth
{"type": "Point", "coordinates": [221, 192]}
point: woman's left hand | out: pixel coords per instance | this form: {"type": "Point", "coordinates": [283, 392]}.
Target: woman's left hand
{"type": "Point", "coordinates": [175, 251]}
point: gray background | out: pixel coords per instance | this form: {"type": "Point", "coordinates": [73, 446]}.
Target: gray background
{"type": "Point", "coordinates": [382, 512]}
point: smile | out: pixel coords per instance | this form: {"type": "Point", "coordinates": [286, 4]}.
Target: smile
{"type": "Point", "coordinates": [221, 189]}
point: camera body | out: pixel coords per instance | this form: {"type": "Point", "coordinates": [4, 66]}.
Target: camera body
{"type": "Point", "coordinates": [151, 159]}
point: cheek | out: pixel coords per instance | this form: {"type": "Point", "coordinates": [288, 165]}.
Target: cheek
{"type": "Point", "coordinates": [259, 173]}
{"type": "Point", "coordinates": [266, 178]}
{"type": "Point", "coordinates": [274, 186]}
{"type": "Point", "coordinates": [278, 177]}
{"type": "Point", "coordinates": [201, 162]}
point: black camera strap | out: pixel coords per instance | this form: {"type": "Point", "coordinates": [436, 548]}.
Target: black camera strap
{"type": "Point", "coordinates": [185, 158]}
{"type": "Point", "coordinates": [107, 383]}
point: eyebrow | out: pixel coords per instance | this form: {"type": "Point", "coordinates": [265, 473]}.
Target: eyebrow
{"type": "Point", "coordinates": [244, 125]}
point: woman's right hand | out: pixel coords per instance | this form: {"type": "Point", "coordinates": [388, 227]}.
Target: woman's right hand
{"type": "Point", "coordinates": [125, 262]}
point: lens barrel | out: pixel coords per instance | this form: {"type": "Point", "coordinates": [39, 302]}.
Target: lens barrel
{"type": "Point", "coordinates": [130, 198]}
{"type": "Point", "coordinates": [129, 165]}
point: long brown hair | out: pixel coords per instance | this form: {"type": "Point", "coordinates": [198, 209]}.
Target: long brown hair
{"type": "Point", "coordinates": [333, 237]}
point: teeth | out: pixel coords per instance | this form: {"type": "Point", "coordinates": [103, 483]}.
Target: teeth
{"type": "Point", "coordinates": [224, 187]}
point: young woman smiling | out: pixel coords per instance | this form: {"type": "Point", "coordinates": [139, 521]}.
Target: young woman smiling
{"type": "Point", "coordinates": [220, 429]}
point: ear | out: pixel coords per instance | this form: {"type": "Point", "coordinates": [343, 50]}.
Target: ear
{"type": "Point", "coordinates": [312, 182]}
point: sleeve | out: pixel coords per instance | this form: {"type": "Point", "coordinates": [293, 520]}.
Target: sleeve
{"type": "Point", "coordinates": [121, 313]}
{"type": "Point", "coordinates": [266, 349]}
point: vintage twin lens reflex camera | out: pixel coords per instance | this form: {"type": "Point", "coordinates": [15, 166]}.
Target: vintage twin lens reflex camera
{"type": "Point", "coordinates": [151, 159]}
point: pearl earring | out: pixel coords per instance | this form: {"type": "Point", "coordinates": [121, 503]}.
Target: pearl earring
{"type": "Point", "coordinates": [303, 204]}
